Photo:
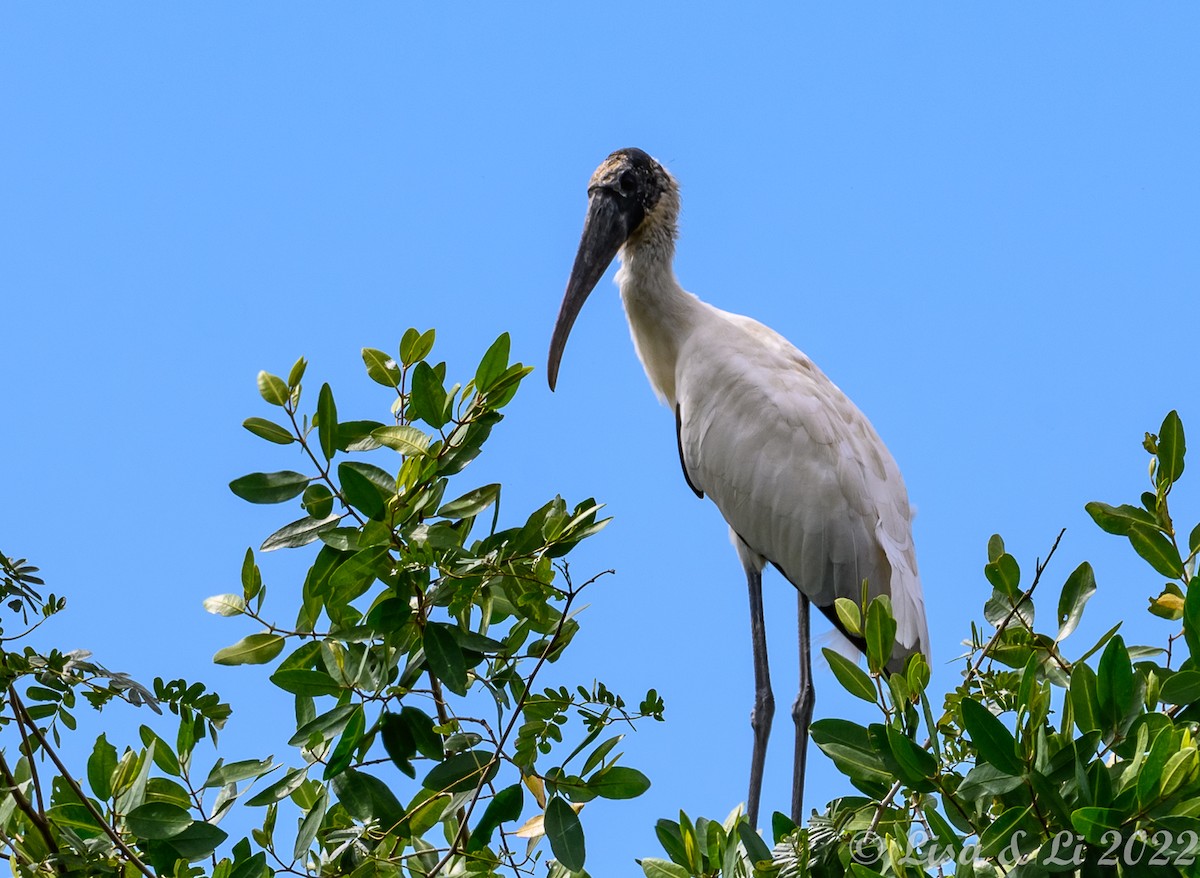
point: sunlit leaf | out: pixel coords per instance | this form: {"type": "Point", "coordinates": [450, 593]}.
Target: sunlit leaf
{"type": "Point", "coordinates": [269, 487]}
{"type": "Point", "coordinates": [225, 604]}
{"type": "Point", "coordinates": [400, 437]}
{"type": "Point", "coordinates": [381, 368]}
{"type": "Point", "coordinates": [853, 678]}
{"type": "Point", "coordinates": [1171, 449]}
{"type": "Point", "coordinates": [1119, 519]}
{"type": "Point", "coordinates": [1078, 589]}
{"type": "Point", "coordinates": [272, 388]}
{"type": "Point", "coordinates": [269, 430]}
{"type": "Point", "coordinates": [1154, 546]}
{"type": "Point", "coordinates": [493, 364]}
{"type": "Point", "coordinates": [254, 649]}
{"type": "Point", "coordinates": [299, 533]}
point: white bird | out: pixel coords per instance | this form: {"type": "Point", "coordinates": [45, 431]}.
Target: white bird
{"type": "Point", "coordinates": [798, 472]}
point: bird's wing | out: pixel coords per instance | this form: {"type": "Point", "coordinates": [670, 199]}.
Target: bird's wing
{"type": "Point", "coordinates": [796, 469]}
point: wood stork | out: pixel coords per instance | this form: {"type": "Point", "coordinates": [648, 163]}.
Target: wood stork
{"type": "Point", "coordinates": [798, 472]}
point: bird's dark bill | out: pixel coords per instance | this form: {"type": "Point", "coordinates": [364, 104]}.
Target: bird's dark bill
{"type": "Point", "coordinates": [604, 231]}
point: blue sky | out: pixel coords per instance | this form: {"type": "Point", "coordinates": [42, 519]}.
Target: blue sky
{"type": "Point", "coordinates": [980, 220]}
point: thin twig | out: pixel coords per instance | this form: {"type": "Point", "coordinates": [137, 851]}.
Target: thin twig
{"type": "Point", "coordinates": [35, 816]}
{"type": "Point", "coordinates": [23, 716]}
{"type": "Point", "coordinates": [516, 716]}
{"type": "Point", "coordinates": [1026, 595]}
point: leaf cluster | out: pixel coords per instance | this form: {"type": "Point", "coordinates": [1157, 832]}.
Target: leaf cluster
{"type": "Point", "coordinates": [422, 628]}
{"type": "Point", "coordinates": [1042, 760]}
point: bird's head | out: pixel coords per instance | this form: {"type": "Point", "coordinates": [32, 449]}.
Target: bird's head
{"type": "Point", "coordinates": [632, 202]}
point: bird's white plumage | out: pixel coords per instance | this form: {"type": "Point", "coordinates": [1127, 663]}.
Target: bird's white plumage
{"type": "Point", "coordinates": [799, 473]}
{"type": "Point", "coordinates": [795, 468]}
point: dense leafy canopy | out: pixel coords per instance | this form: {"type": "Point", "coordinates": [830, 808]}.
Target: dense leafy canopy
{"type": "Point", "coordinates": [426, 742]}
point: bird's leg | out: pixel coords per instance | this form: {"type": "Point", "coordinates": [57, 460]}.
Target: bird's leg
{"type": "Point", "coordinates": [802, 710]}
{"type": "Point", "coordinates": [764, 701]}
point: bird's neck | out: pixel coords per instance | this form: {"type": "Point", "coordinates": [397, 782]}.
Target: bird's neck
{"type": "Point", "coordinates": [661, 313]}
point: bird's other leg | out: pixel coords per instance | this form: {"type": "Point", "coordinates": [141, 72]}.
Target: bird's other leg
{"type": "Point", "coordinates": [802, 710]}
{"type": "Point", "coordinates": [764, 701]}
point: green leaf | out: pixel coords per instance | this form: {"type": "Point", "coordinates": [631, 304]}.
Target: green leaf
{"type": "Point", "coordinates": [1191, 618]}
{"type": "Point", "coordinates": [1182, 688]}
{"type": "Point", "coordinates": [255, 649]}
{"type": "Point", "coordinates": [427, 397]}
{"type": "Point", "coordinates": [466, 771]}
{"type": "Point", "coordinates": [420, 726]}
{"type": "Point", "coordinates": [445, 657]}
{"type": "Point", "coordinates": [1085, 703]}
{"type": "Point", "coordinates": [299, 533]}
{"type": "Point", "coordinates": [279, 790]}
{"type": "Point", "coordinates": [1078, 589]}
{"type": "Point", "coordinates": [327, 421]}
{"type": "Point", "coordinates": [367, 797]}
{"type": "Point", "coordinates": [317, 501]}
{"type": "Point", "coordinates": [272, 388]}
{"type": "Point", "coordinates": [1171, 449]}
{"type": "Point", "coordinates": [1114, 683]}
{"type": "Point", "coordinates": [1001, 832]}
{"type": "Point", "coordinates": [251, 576]}
{"type": "Point", "coordinates": [429, 814]}
{"type": "Point", "coordinates": [565, 833]}
{"type": "Point", "coordinates": [198, 840]}
{"type": "Point", "coordinates": [100, 768]}
{"type": "Point", "coordinates": [471, 503]}
{"type": "Point", "coordinates": [409, 441]}
{"type": "Point", "coordinates": [504, 807]}
{"type": "Point", "coordinates": [164, 756]}
{"type": "Point", "coordinates": [850, 747]}
{"type": "Point", "coordinates": [1119, 519]}
{"type": "Point", "coordinates": [269, 487]}
{"type": "Point", "coordinates": [853, 678]}
{"type": "Point", "coordinates": [415, 345]}
{"type": "Point", "coordinates": [493, 364]}
{"type": "Point", "coordinates": [155, 820]}
{"type": "Point", "coordinates": [301, 681]}
{"type": "Point", "coordinates": [753, 843]}
{"type": "Point", "coordinates": [324, 726]}
{"type": "Point", "coordinates": [849, 615]}
{"type": "Point", "coordinates": [309, 826]}
{"type": "Point", "coordinates": [1154, 546]}
{"type": "Point", "coordinates": [880, 634]}
{"type": "Point", "coordinates": [343, 753]}
{"type": "Point", "coordinates": [225, 604]}
{"type": "Point", "coordinates": [296, 375]}
{"type": "Point", "coordinates": [398, 742]}
{"type": "Point", "coordinates": [236, 772]}
{"type": "Point", "coordinates": [1004, 574]}
{"type": "Point", "coordinates": [994, 742]}
{"type": "Point", "coordinates": [597, 755]}
{"type": "Point", "coordinates": [269, 430]}
{"type": "Point", "coordinates": [362, 489]}
{"type": "Point", "coordinates": [356, 574]}
{"type": "Point", "coordinates": [916, 764]}
{"type": "Point", "coordinates": [656, 868]}
{"type": "Point", "coordinates": [618, 782]}
{"type": "Point", "coordinates": [381, 368]}
{"type": "Point", "coordinates": [1093, 823]}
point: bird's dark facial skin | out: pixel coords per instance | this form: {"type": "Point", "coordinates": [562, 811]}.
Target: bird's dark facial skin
{"type": "Point", "coordinates": [622, 191]}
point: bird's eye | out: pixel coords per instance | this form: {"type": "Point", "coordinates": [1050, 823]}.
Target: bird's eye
{"type": "Point", "coordinates": [627, 182]}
